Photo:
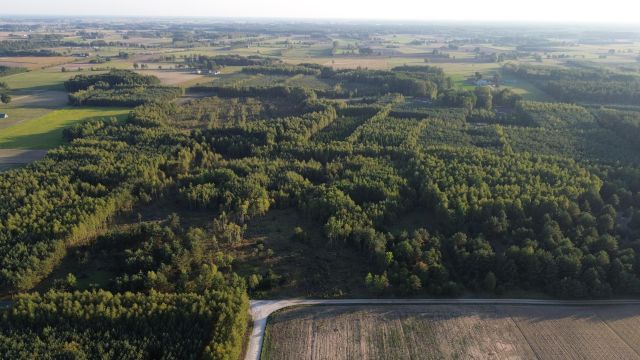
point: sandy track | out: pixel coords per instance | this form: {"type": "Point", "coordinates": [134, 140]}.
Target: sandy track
{"type": "Point", "coordinates": [261, 309]}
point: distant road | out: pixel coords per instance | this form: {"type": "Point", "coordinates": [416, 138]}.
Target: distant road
{"type": "Point", "coordinates": [261, 309]}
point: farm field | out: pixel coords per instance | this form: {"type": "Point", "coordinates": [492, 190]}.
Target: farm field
{"type": "Point", "coordinates": [48, 79]}
{"type": "Point", "coordinates": [45, 131]}
{"type": "Point", "coordinates": [31, 104]}
{"type": "Point", "coordinates": [170, 77]}
{"type": "Point", "coordinates": [453, 332]}
{"type": "Point", "coordinates": [34, 62]}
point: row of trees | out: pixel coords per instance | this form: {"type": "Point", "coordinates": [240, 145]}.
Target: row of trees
{"type": "Point", "coordinates": [113, 78]}
{"type": "Point", "coordinates": [125, 96]}
{"type": "Point", "coordinates": [597, 86]}
{"type": "Point", "coordinates": [285, 69]}
{"type": "Point", "coordinates": [118, 88]}
{"type": "Point", "coordinates": [11, 70]}
{"type": "Point", "coordinates": [28, 48]}
{"type": "Point", "coordinates": [215, 62]}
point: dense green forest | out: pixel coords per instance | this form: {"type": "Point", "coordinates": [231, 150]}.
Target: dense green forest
{"type": "Point", "coordinates": [28, 47]}
{"type": "Point", "coordinates": [216, 62]}
{"type": "Point", "coordinates": [99, 325]}
{"type": "Point", "coordinates": [118, 88]}
{"type": "Point", "coordinates": [599, 86]}
{"type": "Point", "coordinates": [440, 191]}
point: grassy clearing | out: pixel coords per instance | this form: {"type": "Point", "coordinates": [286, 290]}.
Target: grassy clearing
{"type": "Point", "coordinates": [172, 77]}
{"type": "Point", "coordinates": [524, 88]}
{"type": "Point", "coordinates": [46, 131]}
{"type": "Point", "coordinates": [309, 267]}
{"type": "Point", "coordinates": [48, 79]}
{"type": "Point", "coordinates": [453, 332]}
{"type": "Point", "coordinates": [19, 115]}
{"type": "Point", "coordinates": [28, 105]}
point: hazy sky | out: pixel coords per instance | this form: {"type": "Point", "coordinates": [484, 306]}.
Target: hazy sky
{"type": "Point", "coordinates": [608, 11]}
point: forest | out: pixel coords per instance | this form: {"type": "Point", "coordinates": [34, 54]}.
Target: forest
{"type": "Point", "coordinates": [597, 86]}
{"type": "Point", "coordinates": [118, 88]}
{"type": "Point", "coordinates": [438, 190]}
{"type": "Point", "coordinates": [100, 324]}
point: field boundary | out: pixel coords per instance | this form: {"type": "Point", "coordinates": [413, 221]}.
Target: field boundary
{"type": "Point", "coordinates": [261, 310]}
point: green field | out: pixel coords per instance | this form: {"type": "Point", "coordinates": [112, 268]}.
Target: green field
{"type": "Point", "coordinates": [38, 80]}
{"type": "Point", "coordinates": [46, 131]}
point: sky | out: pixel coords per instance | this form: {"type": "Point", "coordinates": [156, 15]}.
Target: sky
{"type": "Point", "coordinates": [582, 11]}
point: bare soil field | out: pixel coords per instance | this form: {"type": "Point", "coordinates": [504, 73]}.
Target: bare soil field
{"type": "Point", "coordinates": [454, 332]}
{"type": "Point", "coordinates": [555, 333]}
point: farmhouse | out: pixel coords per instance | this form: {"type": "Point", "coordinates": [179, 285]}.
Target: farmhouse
{"type": "Point", "coordinates": [4, 116]}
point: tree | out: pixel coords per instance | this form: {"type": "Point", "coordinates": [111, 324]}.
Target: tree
{"type": "Point", "coordinates": [484, 97]}
{"type": "Point", "coordinates": [496, 79]}
{"type": "Point", "coordinates": [377, 283]}
{"type": "Point", "coordinates": [71, 281]}
{"type": "Point", "coordinates": [414, 283]}
{"type": "Point", "coordinates": [4, 96]}
{"type": "Point", "coordinates": [489, 282]}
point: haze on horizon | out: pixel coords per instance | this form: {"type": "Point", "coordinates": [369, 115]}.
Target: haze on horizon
{"type": "Point", "coordinates": [571, 11]}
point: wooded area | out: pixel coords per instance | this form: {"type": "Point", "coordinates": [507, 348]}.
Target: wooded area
{"type": "Point", "coordinates": [137, 237]}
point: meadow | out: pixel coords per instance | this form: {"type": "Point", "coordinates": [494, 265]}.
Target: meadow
{"type": "Point", "coordinates": [45, 132]}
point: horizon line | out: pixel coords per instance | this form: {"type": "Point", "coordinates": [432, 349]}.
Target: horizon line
{"type": "Point", "coordinates": [394, 21]}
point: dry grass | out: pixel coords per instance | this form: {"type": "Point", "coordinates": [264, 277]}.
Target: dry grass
{"type": "Point", "coordinates": [172, 77]}
{"type": "Point", "coordinates": [40, 98]}
{"type": "Point", "coordinates": [453, 332]}
{"type": "Point", "coordinates": [34, 62]}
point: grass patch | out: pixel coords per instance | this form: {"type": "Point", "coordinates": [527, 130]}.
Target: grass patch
{"type": "Point", "coordinates": [38, 80]}
{"type": "Point", "coordinates": [45, 131]}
